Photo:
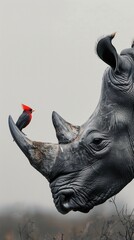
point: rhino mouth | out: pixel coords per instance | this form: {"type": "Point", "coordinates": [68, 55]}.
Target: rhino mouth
{"type": "Point", "coordinates": [69, 199]}
{"type": "Point", "coordinates": [70, 196]}
{"type": "Point", "coordinates": [66, 201]}
{"type": "Point", "coordinates": [62, 200]}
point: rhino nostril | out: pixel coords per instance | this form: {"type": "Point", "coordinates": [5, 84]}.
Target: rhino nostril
{"type": "Point", "coordinates": [65, 197]}
{"type": "Point", "coordinates": [62, 200]}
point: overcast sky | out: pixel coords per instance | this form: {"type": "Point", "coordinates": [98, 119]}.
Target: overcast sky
{"type": "Point", "coordinates": [48, 61]}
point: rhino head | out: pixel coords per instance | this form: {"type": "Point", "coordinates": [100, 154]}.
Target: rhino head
{"type": "Point", "coordinates": [94, 161]}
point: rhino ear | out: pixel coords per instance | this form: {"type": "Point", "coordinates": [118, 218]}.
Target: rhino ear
{"type": "Point", "coordinates": [132, 45]}
{"type": "Point", "coordinates": [107, 52]}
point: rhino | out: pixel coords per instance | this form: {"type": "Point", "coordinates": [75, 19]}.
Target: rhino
{"type": "Point", "coordinates": [94, 161]}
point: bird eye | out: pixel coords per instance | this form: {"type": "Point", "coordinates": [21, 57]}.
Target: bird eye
{"type": "Point", "coordinates": [97, 141]}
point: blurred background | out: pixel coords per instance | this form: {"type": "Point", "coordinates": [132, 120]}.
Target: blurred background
{"type": "Point", "coordinates": [48, 61]}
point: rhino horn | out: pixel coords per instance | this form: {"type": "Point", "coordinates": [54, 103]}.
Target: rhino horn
{"type": "Point", "coordinates": [107, 52]}
{"type": "Point", "coordinates": [41, 156]}
{"type": "Point", "coordinates": [65, 131]}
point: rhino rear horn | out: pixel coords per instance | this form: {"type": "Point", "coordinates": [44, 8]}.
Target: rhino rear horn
{"type": "Point", "coordinates": [65, 131]}
{"type": "Point", "coordinates": [107, 52]}
{"type": "Point", "coordinates": [41, 156]}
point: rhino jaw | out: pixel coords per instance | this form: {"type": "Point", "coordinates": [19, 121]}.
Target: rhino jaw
{"type": "Point", "coordinates": [41, 156]}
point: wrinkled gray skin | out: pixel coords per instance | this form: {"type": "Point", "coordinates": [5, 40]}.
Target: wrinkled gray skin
{"type": "Point", "coordinates": [93, 162]}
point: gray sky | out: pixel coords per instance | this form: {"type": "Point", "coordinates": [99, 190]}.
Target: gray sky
{"type": "Point", "coordinates": [48, 61]}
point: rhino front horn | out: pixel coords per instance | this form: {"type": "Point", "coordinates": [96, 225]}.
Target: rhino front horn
{"type": "Point", "coordinates": [41, 156]}
{"type": "Point", "coordinates": [65, 131]}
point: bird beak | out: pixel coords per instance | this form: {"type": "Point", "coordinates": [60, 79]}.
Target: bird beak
{"type": "Point", "coordinates": [33, 110]}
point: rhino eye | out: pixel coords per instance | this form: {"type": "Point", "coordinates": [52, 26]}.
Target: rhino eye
{"type": "Point", "coordinates": [97, 141]}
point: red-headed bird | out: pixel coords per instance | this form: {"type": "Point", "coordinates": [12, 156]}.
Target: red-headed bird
{"type": "Point", "coordinates": [25, 117]}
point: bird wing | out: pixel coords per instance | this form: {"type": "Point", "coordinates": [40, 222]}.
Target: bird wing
{"type": "Point", "coordinates": [23, 120]}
